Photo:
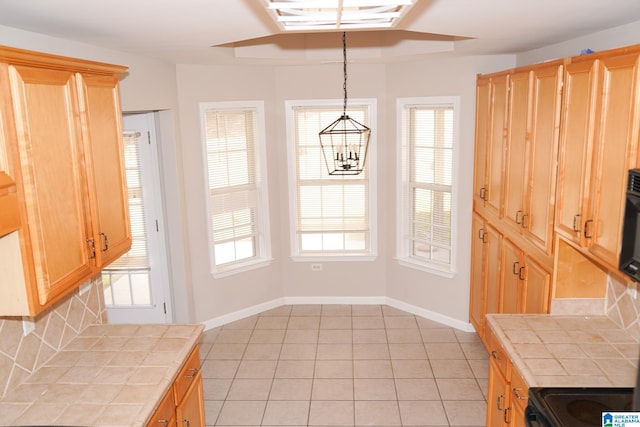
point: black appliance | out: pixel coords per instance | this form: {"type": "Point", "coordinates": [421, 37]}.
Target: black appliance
{"type": "Point", "coordinates": [575, 407]}
{"type": "Point", "coordinates": [630, 250]}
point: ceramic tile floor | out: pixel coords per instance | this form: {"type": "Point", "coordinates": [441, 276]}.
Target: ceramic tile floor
{"type": "Point", "coordinates": [342, 365]}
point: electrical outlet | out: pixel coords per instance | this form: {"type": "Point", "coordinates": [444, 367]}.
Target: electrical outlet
{"type": "Point", "coordinates": [316, 267]}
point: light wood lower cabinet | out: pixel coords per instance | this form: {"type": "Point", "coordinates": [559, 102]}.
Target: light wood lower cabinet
{"type": "Point", "coordinates": [508, 393]}
{"type": "Point", "coordinates": [183, 404]}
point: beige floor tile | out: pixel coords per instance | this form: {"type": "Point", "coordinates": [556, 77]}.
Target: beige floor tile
{"type": "Point", "coordinates": [370, 351]}
{"type": "Point", "coordinates": [384, 413]}
{"type": "Point", "coordinates": [304, 322]}
{"type": "Point", "coordinates": [372, 369]}
{"type": "Point", "coordinates": [335, 336]}
{"type": "Point", "coordinates": [291, 389]}
{"type": "Point", "coordinates": [335, 322]}
{"type": "Point", "coordinates": [451, 368]}
{"type": "Point", "coordinates": [411, 368]}
{"type": "Point", "coordinates": [272, 322]}
{"type": "Point", "coordinates": [400, 322]}
{"type": "Point", "coordinates": [216, 389]}
{"type": "Point", "coordinates": [417, 389]}
{"type": "Point", "coordinates": [368, 322]}
{"type": "Point", "coordinates": [220, 368]}
{"type": "Point", "coordinates": [286, 413]}
{"type": "Point", "coordinates": [421, 413]}
{"type": "Point", "coordinates": [262, 352]}
{"type": "Point", "coordinates": [226, 351]}
{"type": "Point", "coordinates": [331, 413]}
{"type": "Point", "coordinates": [342, 365]}
{"type": "Point", "coordinates": [451, 350]}
{"type": "Point", "coordinates": [249, 389]}
{"type": "Point", "coordinates": [334, 369]}
{"type": "Point", "coordinates": [306, 310]}
{"type": "Point", "coordinates": [374, 389]}
{"type": "Point", "coordinates": [334, 352]}
{"type": "Point", "coordinates": [301, 336]}
{"type": "Point", "coordinates": [298, 351]}
{"type": "Point", "coordinates": [267, 336]}
{"type": "Point", "coordinates": [438, 335]}
{"type": "Point", "coordinates": [366, 310]}
{"type": "Point", "coordinates": [242, 413]}
{"type": "Point", "coordinates": [295, 369]}
{"type": "Point", "coordinates": [459, 389]}
{"type": "Point", "coordinates": [332, 389]}
{"type": "Point", "coordinates": [404, 336]}
{"type": "Point", "coordinates": [256, 369]}
{"type": "Point", "coordinates": [369, 336]}
{"type": "Point", "coordinates": [407, 351]}
{"type": "Point", "coordinates": [466, 413]}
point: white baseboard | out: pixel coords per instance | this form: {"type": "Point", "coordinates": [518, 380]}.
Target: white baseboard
{"type": "Point", "coordinates": [379, 300]}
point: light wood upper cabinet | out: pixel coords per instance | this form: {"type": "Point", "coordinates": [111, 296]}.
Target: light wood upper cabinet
{"type": "Point", "coordinates": [102, 135]}
{"type": "Point", "coordinates": [599, 141]}
{"type": "Point", "coordinates": [491, 119]}
{"type": "Point", "coordinates": [532, 148]}
{"type": "Point", "coordinates": [615, 153]}
{"type": "Point", "coordinates": [61, 136]}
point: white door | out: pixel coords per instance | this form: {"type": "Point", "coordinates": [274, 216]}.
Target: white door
{"type": "Point", "coordinates": [136, 286]}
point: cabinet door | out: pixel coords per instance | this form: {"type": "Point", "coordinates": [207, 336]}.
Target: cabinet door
{"type": "Point", "coordinates": [495, 149]}
{"type": "Point", "coordinates": [535, 292]}
{"type": "Point", "coordinates": [493, 265]}
{"type": "Point", "coordinates": [617, 139]}
{"type": "Point", "coordinates": [100, 102]}
{"type": "Point", "coordinates": [478, 257]}
{"type": "Point", "coordinates": [512, 265]}
{"type": "Point", "coordinates": [54, 231]}
{"type": "Point", "coordinates": [576, 145]}
{"type": "Point", "coordinates": [498, 397]}
{"type": "Point", "coordinates": [482, 128]}
{"type": "Point", "coordinates": [540, 189]}
{"type": "Point", "coordinates": [517, 145]}
{"type": "Point", "coordinates": [190, 412]}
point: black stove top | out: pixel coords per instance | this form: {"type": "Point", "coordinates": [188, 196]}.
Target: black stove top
{"type": "Point", "coordinates": [575, 407]}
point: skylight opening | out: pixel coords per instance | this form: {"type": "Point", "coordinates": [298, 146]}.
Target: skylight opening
{"type": "Point", "coordinates": [301, 15]}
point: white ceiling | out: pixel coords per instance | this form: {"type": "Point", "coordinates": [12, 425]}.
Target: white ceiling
{"type": "Point", "coordinates": [227, 31]}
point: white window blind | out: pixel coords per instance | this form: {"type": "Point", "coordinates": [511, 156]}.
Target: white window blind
{"type": "Point", "coordinates": [332, 213]}
{"type": "Point", "coordinates": [428, 135]}
{"type": "Point", "coordinates": [137, 258]}
{"type": "Point", "coordinates": [232, 163]}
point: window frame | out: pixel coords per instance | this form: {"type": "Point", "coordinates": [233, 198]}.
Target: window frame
{"type": "Point", "coordinates": [263, 256]}
{"type": "Point", "coordinates": [403, 214]}
{"type": "Point", "coordinates": [295, 252]}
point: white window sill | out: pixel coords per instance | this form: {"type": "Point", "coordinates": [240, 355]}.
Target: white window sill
{"type": "Point", "coordinates": [332, 258]}
{"type": "Point", "coordinates": [241, 268]}
{"type": "Point", "coordinates": [423, 266]}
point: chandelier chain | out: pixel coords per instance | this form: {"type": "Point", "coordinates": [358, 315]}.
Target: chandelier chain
{"type": "Point", "coordinates": [344, 86]}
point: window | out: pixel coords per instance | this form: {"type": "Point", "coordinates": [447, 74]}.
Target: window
{"type": "Point", "coordinates": [426, 208]}
{"type": "Point", "coordinates": [331, 215]}
{"type": "Point", "coordinates": [236, 185]}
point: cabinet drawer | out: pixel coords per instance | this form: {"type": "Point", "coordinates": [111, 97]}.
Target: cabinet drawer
{"type": "Point", "coordinates": [519, 389]}
{"type": "Point", "coordinates": [187, 375]}
{"type": "Point", "coordinates": [497, 353]}
{"type": "Point", "coordinates": [164, 414]}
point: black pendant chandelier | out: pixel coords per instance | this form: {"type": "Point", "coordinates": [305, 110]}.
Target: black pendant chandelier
{"type": "Point", "coordinates": [345, 141]}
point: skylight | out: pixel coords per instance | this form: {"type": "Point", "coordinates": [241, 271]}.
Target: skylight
{"type": "Point", "coordinates": [304, 15]}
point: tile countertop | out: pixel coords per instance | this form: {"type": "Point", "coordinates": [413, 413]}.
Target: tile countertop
{"type": "Point", "coordinates": [109, 375]}
{"type": "Point", "coordinates": [567, 351]}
